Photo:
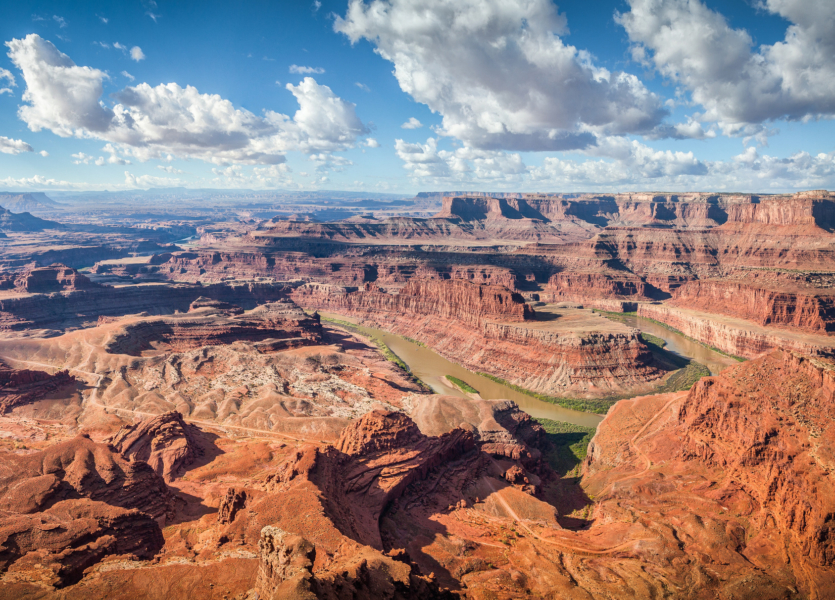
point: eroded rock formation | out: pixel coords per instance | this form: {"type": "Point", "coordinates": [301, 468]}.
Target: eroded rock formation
{"type": "Point", "coordinates": [165, 443]}
{"type": "Point", "coordinates": [487, 328]}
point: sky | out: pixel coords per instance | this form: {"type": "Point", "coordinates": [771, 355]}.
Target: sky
{"type": "Point", "coordinates": [400, 96]}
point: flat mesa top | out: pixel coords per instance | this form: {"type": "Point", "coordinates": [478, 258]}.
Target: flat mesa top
{"type": "Point", "coordinates": [572, 320]}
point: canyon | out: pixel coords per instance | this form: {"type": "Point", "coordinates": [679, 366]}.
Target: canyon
{"type": "Point", "coordinates": [197, 399]}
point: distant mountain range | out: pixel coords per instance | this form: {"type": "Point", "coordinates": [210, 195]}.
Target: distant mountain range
{"type": "Point", "coordinates": [28, 202]}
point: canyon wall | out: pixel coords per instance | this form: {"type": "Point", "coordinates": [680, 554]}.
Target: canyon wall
{"type": "Point", "coordinates": [736, 336]}
{"type": "Point", "coordinates": [490, 329]}
{"type": "Point", "coordinates": [810, 309]}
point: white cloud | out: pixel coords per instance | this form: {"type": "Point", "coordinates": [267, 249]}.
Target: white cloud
{"type": "Point", "coordinates": [614, 163]}
{"type": "Point", "coordinates": [62, 22]}
{"type": "Point", "coordinates": [316, 5]}
{"type": "Point", "coordinates": [119, 46]}
{"type": "Point", "coordinates": [100, 162]}
{"type": "Point", "coordinates": [362, 86]}
{"type": "Point", "coordinates": [738, 86]}
{"type": "Point", "coordinates": [463, 164]}
{"type": "Point", "coordinates": [44, 153]}
{"type": "Point", "coordinates": [137, 54]}
{"type": "Point", "coordinates": [412, 123]}
{"type": "Point", "coordinates": [39, 182]}
{"type": "Point", "coordinates": [7, 75]}
{"type": "Point", "coordinates": [306, 70]}
{"type": "Point", "coordinates": [236, 176]}
{"type": "Point", "coordinates": [150, 122]}
{"type": "Point", "coordinates": [150, 181]}
{"type": "Point", "coordinates": [114, 158]}
{"type": "Point", "coordinates": [103, 19]}
{"type": "Point", "coordinates": [128, 75]}
{"type": "Point", "coordinates": [499, 73]}
{"type": "Point", "coordinates": [10, 146]}
{"type": "Point", "coordinates": [82, 159]}
{"type": "Point", "coordinates": [326, 163]}
{"type": "Point", "coordinates": [153, 16]}
{"type": "Point", "coordinates": [372, 143]}
{"type": "Point", "coordinates": [170, 169]}
{"type": "Point", "coordinates": [6, 91]}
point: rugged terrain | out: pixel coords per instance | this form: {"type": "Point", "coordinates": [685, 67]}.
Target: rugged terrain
{"type": "Point", "coordinates": [192, 404]}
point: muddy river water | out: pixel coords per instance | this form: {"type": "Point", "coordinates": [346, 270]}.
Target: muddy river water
{"type": "Point", "coordinates": [431, 368]}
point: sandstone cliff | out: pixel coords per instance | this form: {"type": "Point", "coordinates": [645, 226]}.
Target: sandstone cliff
{"type": "Point", "coordinates": [488, 329]}
{"type": "Point", "coordinates": [780, 304]}
{"type": "Point", "coordinates": [735, 336]}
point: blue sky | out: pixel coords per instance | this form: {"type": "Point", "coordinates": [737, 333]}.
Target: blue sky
{"type": "Point", "coordinates": [508, 94]}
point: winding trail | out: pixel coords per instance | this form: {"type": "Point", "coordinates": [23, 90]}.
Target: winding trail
{"type": "Point", "coordinates": [633, 442]}
{"type": "Point", "coordinates": [561, 544]}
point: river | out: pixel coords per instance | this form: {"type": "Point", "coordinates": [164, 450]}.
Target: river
{"type": "Point", "coordinates": [678, 344]}
{"type": "Point", "coordinates": [430, 367]}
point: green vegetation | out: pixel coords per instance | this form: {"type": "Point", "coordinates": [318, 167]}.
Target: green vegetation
{"type": "Point", "coordinates": [387, 352]}
{"type": "Point", "coordinates": [687, 337]}
{"type": "Point", "coordinates": [462, 385]}
{"type": "Point", "coordinates": [620, 318]}
{"type": "Point", "coordinates": [570, 444]}
{"type": "Point", "coordinates": [415, 342]}
{"type": "Point", "coordinates": [651, 340]}
{"type": "Point", "coordinates": [598, 406]}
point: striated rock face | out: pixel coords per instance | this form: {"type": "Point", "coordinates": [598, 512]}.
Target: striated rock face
{"type": "Point", "coordinates": [55, 546]}
{"type": "Point", "coordinates": [460, 300]}
{"type": "Point", "coordinates": [736, 336]}
{"type": "Point", "coordinates": [165, 443]}
{"type": "Point", "coordinates": [488, 329]}
{"type": "Point", "coordinates": [22, 386]}
{"type": "Point", "coordinates": [46, 280]}
{"type": "Point", "coordinates": [80, 468]}
{"type": "Point", "coordinates": [805, 309]}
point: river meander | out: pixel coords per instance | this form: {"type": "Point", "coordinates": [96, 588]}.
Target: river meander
{"type": "Point", "coordinates": [430, 367]}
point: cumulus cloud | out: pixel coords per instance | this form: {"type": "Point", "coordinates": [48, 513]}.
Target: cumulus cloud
{"type": "Point", "coordinates": [149, 122]}
{"type": "Point", "coordinates": [306, 70]}
{"type": "Point", "coordinates": [137, 54]}
{"type": "Point", "coordinates": [412, 123]}
{"type": "Point", "coordinates": [463, 164]}
{"type": "Point", "coordinates": [326, 163]}
{"type": "Point", "coordinates": [39, 182]}
{"type": "Point", "coordinates": [119, 46]}
{"type": "Point", "coordinates": [739, 86]}
{"type": "Point", "coordinates": [82, 159]}
{"type": "Point", "coordinates": [7, 75]}
{"type": "Point", "coordinates": [499, 73]}
{"type": "Point", "coordinates": [372, 143]}
{"type": "Point", "coordinates": [614, 163]}
{"type": "Point", "coordinates": [236, 176]}
{"type": "Point", "coordinates": [44, 153]}
{"type": "Point", "coordinates": [170, 169]}
{"type": "Point", "coordinates": [10, 146]}
{"type": "Point", "coordinates": [150, 181]}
